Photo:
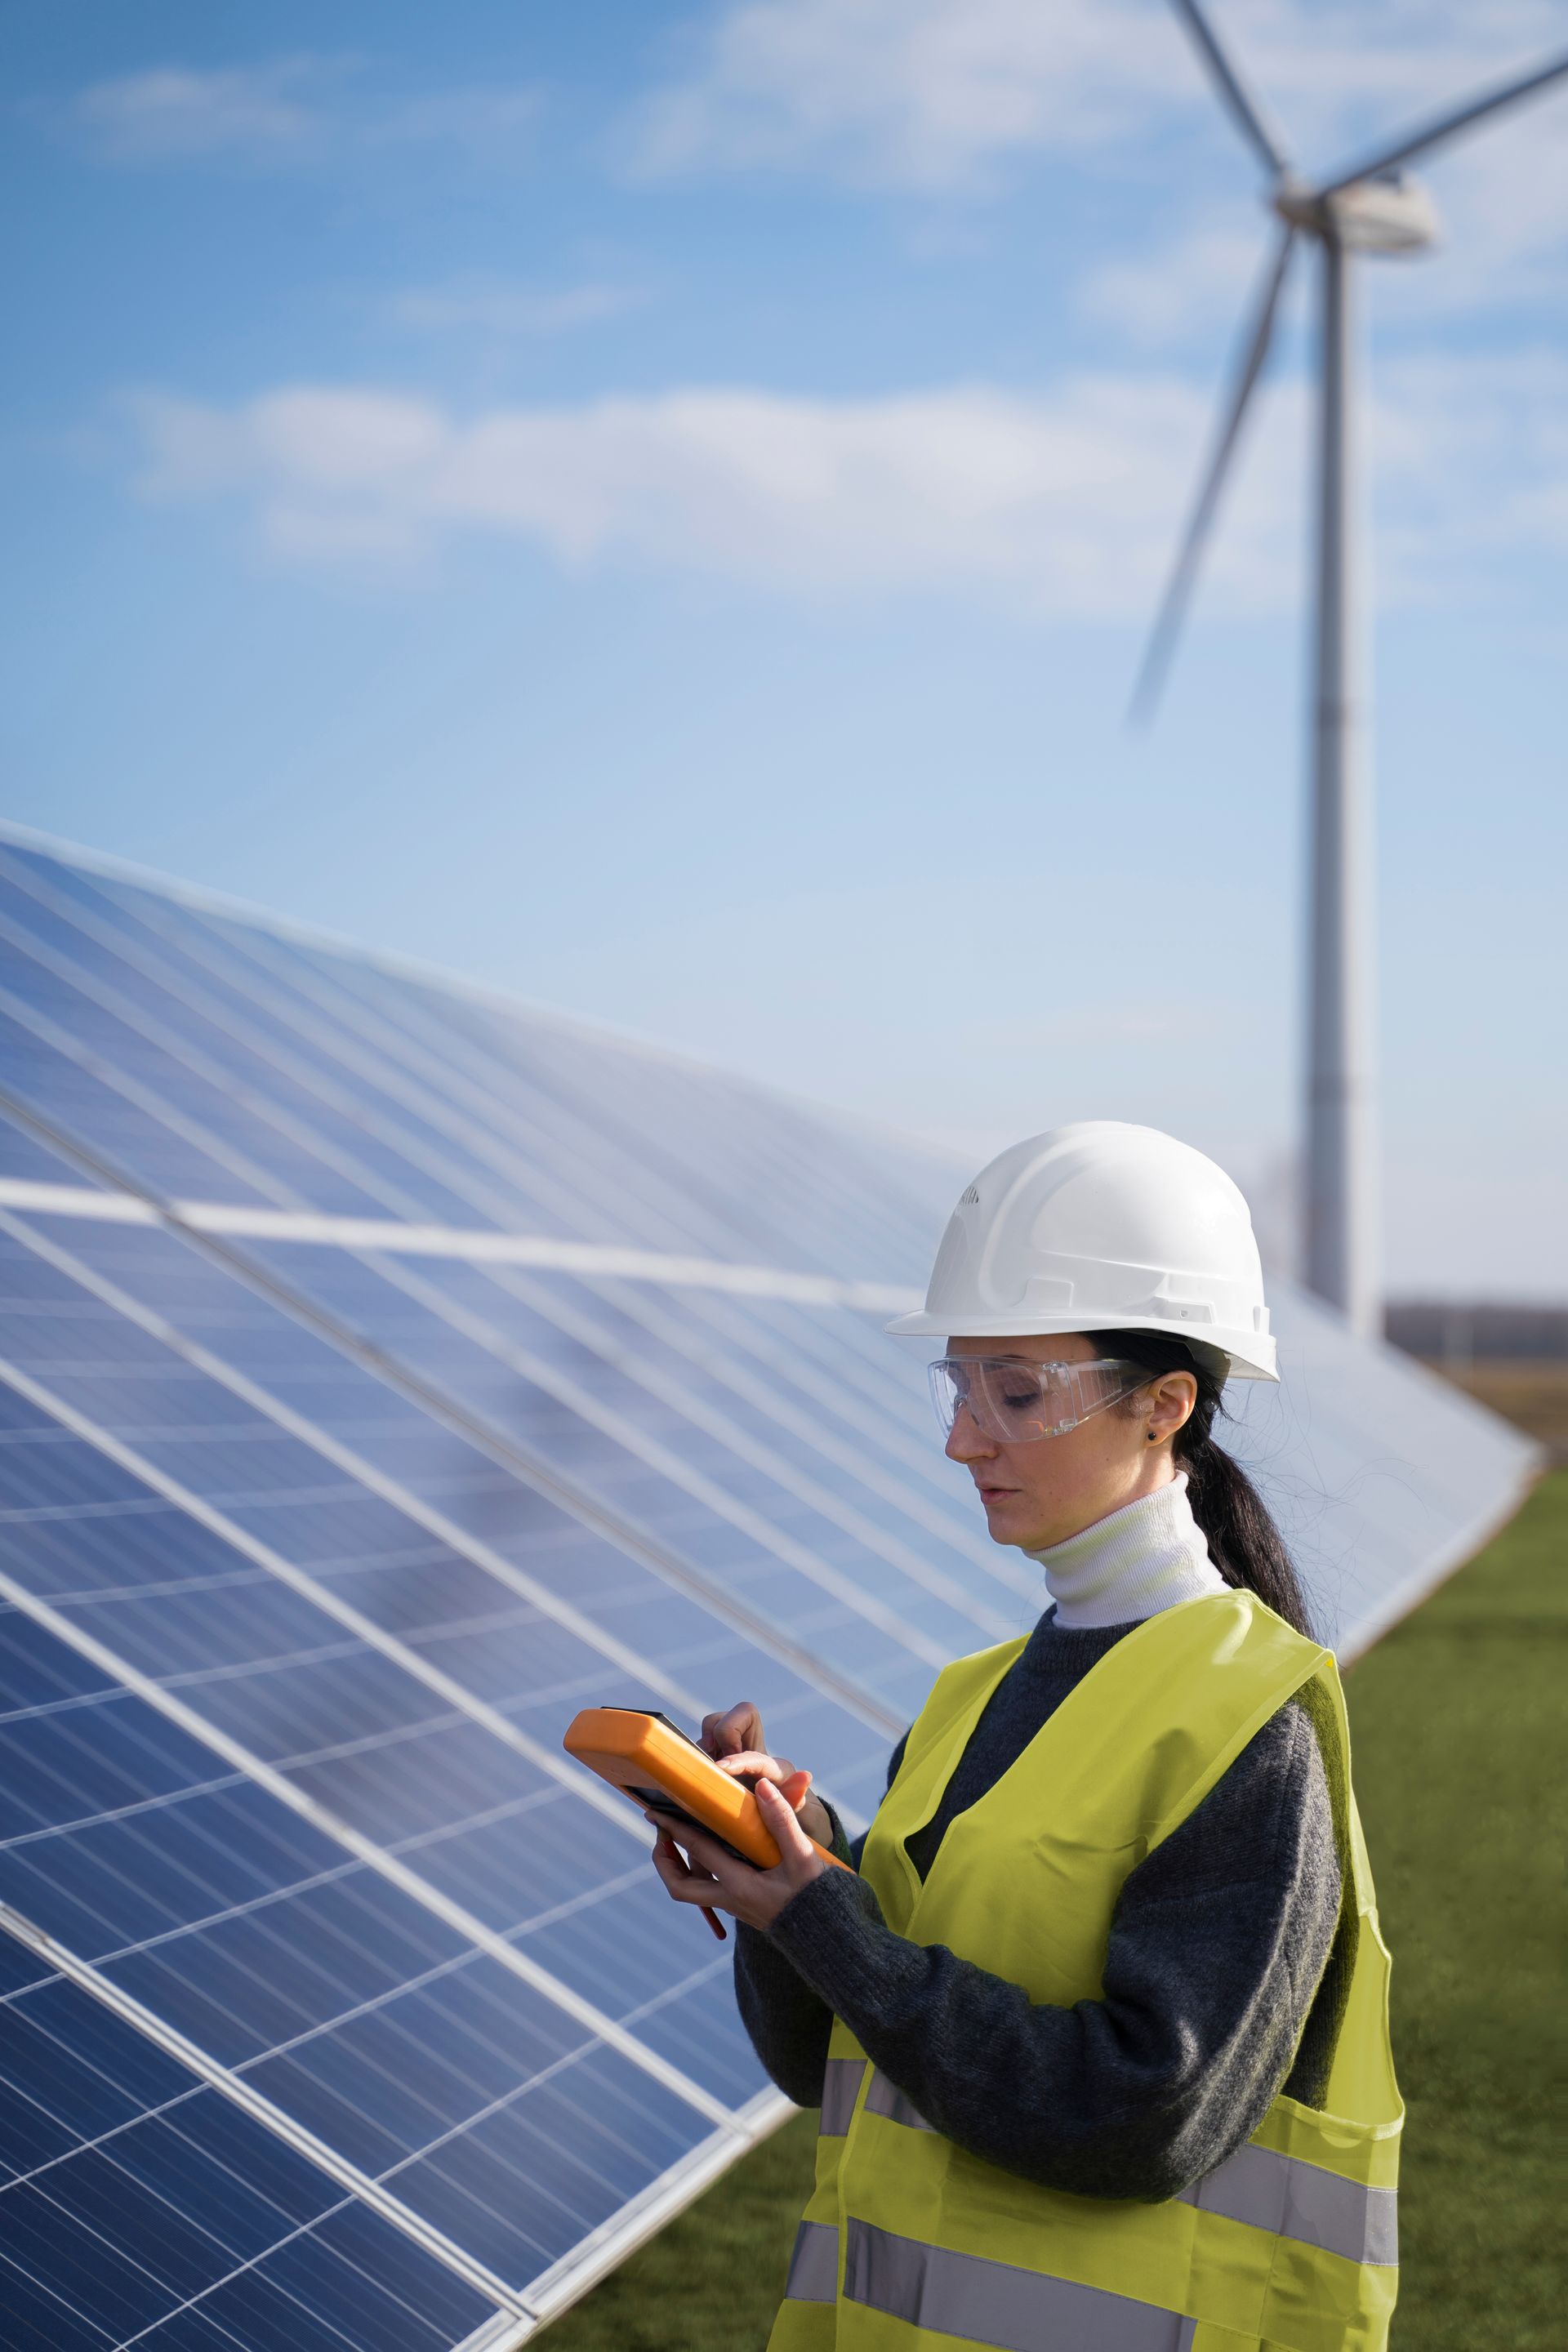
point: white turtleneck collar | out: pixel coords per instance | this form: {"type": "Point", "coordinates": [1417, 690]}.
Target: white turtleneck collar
{"type": "Point", "coordinates": [1144, 1557]}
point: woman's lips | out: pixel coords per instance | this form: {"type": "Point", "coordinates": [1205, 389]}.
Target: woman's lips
{"type": "Point", "coordinates": [995, 1494]}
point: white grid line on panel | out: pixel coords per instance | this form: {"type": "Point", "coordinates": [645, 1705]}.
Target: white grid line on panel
{"type": "Point", "coordinates": [459, 1065]}
{"type": "Point", "coordinates": [365, 1629]}
{"type": "Point", "coordinates": [184, 1937]}
{"type": "Point", "coordinates": [473, 1247]}
{"type": "Point", "coordinates": [288, 997]}
{"type": "Point", "coordinates": [556, 2289]}
{"type": "Point", "coordinates": [318, 2027]}
{"type": "Point", "coordinates": [463, 1922]}
{"type": "Point", "coordinates": [194, 943]}
{"type": "Point", "coordinates": [637, 1543]}
{"type": "Point", "coordinates": [387, 1079]}
{"type": "Point", "coordinates": [261, 2110]}
{"type": "Point", "coordinates": [358, 1038]}
{"type": "Point", "coordinates": [464, 2125]}
{"type": "Point", "coordinates": [520, 1169]}
{"type": "Point", "coordinates": [803, 1288]}
{"type": "Point", "coordinates": [160, 2115]}
{"type": "Point", "coordinates": [128, 874]}
{"type": "Point", "coordinates": [669, 1464]}
{"type": "Point", "coordinates": [121, 1082]}
{"type": "Point", "coordinates": [492, 1250]}
{"type": "Point", "coordinates": [227, 1084]}
{"type": "Point", "coordinates": [254, 2261]}
{"type": "Point", "coordinates": [117, 2253]}
{"type": "Point", "coordinates": [590, 1151]}
{"type": "Point", "coordinates": [388, 1490]}
{"type": "Point", "coordinates": [486, 1248]}
{"type": "Point", "coordinates": [585, 1260]}
{"type": "Point", "coordinates": [108, 1814]}
{"type": "Point", "coordinates": [567, 2280]}
{"type": "Point", "coordinates": [84, 2146]}
{"type": "Point", "coordinates": [591, 1335]}
{"type": "Point", "coordinates": [251, 1905]}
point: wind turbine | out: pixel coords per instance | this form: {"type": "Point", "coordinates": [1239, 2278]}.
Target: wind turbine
{"type": "Point", "coordinates": [1370, 207]}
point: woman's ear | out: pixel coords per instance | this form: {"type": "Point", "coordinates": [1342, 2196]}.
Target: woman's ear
{"type": "Point", "coordinates": [1172, 1398]}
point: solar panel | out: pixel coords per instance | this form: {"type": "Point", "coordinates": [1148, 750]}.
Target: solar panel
{"type": "Point", "coordinates": [385, 1371]}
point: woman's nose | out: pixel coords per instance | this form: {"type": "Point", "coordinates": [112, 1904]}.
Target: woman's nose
{"type": "Point", "coordinates": [966, 1441]}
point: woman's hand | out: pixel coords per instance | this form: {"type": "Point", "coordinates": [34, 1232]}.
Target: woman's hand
{"type": "Point", "coordinates": [736, 1742]}
{"type": "Point", "coordinates": [710, 1876]}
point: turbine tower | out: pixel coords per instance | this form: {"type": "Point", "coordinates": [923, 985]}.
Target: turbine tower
{"type": "Point", "coordinates": [1371, 207]}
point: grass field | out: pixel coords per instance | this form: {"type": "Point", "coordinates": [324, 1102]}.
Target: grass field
{"type": "Point", "coordinates": [1458, 1723]}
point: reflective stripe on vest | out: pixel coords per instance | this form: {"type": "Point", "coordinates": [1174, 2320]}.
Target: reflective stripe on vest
{"type": "Point", "coordinates": [1256, 2186]}
{"type": "Point", "coordinates": [1302, 2202]}
{"type": "Point", "coordinates": [840, 2088]}
{"type": "Point", "coordinates": [995, 2304]}
{"type": "Point", "coordinates": [884, 2098]}
{"type": "Point", "coordinates": [814, 2265]}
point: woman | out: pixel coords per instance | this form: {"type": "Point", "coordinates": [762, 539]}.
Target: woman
{"type": "Point", "coordinates": [1100, 2028]}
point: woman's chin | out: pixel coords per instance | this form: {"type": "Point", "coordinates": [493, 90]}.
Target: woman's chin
{"type": "Point", "coordinates": [1008, 1520]}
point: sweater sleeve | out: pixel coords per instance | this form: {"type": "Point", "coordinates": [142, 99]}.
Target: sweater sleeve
{"type": "Point", "coordinates": [1217, 1948]}
{"type": "Point", "coordinates": [787, 2020]}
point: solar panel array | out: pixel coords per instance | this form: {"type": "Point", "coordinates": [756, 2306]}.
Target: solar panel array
{"type": "Point", "coordinates": [385, 1373]}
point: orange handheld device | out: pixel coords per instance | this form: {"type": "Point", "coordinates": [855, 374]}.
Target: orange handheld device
{"type": "Point", "coordinates": [660, 1768]}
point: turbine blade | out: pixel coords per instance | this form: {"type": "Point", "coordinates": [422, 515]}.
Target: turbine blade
{"type": "Point", "coordinates": [1428, 135]}
{"type": "Point", "coordinates": [1172, 610]}
{"type": "Point", "coordinates": [1238, 101]}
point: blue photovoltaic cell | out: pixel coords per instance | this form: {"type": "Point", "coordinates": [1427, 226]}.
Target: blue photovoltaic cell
{"type": "Point", "coordinates": [355, 1731]}
{"type": "Point", "coordinates": [734, 1495]}
{"type": "Point", "coordinates": [535, 1488]}
{"type": "Point", "coordinates": [359, 2014]}
{"type": "Point", "coordinates": [656, 1142]}
{"type": "Point", "coordinates": [136, 2202]}
{"type": "Point", "coordinates": [274, 1487]}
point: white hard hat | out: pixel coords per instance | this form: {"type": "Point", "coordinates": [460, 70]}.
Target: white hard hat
{"type": "Point", "coordinates": [1100, 1227]}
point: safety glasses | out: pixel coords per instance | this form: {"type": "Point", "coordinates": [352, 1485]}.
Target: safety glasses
{"type": "Point", "coordinates": [1016, 1402]}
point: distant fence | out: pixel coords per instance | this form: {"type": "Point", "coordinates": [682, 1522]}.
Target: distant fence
{"type": "Point", "coordinates": [1463, 1331]}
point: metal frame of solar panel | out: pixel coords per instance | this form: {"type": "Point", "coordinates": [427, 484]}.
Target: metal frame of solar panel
{"type": "Point", "coordinates": [387, 1371]}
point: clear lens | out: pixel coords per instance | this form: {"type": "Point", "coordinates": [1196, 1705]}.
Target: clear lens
{"type": "Point", "coordinates": [1015, 1402]}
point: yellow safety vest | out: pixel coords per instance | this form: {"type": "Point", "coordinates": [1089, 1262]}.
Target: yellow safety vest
{"type": "Point", "coordinates": [911, 2244]}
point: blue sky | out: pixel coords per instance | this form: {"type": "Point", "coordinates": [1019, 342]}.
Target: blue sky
{"type": "Point", "coordinates": [656, 506]}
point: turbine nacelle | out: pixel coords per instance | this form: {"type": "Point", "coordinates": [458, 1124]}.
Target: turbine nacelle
{"type": "Point", "coordinates": [1391, 212]}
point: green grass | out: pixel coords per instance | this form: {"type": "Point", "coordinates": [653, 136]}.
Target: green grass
{"type": "Point", "coordinates": [1457, 1720]}
{"type": "Point", "coordinates": [1457, 1724]}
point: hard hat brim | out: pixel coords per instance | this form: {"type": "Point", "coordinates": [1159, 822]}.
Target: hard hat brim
{"type": "Point", "coordinates": [1247, 1356]}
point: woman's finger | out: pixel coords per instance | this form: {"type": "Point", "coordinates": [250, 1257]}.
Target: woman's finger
{"type": "Point", "coordinates": [755, 1763]}
{"type": "Point", "coordinates": [707, 1859]}
{"type": "Point", "coordinates": [737, 1727]}
{"type": "Point", "coordinates": [778, 1814]}
{"type": "Point", "coordinates": [687, 1885]}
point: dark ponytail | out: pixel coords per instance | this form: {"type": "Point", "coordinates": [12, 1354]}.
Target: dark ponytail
{"type": "Point", "coordinates": [1244, 1543]}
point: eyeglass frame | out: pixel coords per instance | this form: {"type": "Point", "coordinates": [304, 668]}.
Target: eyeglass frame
{"type": "Point", "coordinates": [941, 1364]}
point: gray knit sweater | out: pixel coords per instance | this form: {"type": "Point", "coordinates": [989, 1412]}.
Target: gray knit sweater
{"type": "Point", "coordinates": [1217, 1989]}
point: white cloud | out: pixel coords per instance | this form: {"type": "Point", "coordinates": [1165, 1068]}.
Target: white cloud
{"type": "Point", "coordinates": [1066, 500]}
{"type": "Point", "coordinates": [931, 92]}
{"type": "Point", "coordinates": [1064, 503]}
{"type": "Point", "coordinates": [174, 112]}
{"type": "Point", "coordinates": [917, 90]}
{"type": "Point", "coordinates": [291, 110]}
{"type": "Point", "coordinates": [1198, 283]}
{"type": "Point", "coordinates": [494, 307]}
